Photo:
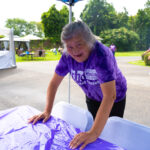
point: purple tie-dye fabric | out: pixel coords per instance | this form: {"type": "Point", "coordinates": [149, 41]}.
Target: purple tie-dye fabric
{"type": "Point", "coordinates": [55, 134]}
{"type": "Point", "coordinates": [99, 68]}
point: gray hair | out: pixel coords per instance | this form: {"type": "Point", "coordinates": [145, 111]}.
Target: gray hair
{"type": "Point", "coordinates": [78, 28]}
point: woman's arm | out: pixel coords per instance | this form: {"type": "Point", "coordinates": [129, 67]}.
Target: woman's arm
{"type": "Point", "coordinates": [84, 138]}
{"type": "Point", "coordinates": [109, 95]}
{"type": "Point", "coordinates": [51, 92]}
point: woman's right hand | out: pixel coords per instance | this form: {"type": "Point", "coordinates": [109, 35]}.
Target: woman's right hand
{"type": "Point", "coordinates": [45, 116]}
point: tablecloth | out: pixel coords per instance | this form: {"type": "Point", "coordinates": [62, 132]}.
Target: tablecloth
{"type": "Point", "coordinates": [55, 134]}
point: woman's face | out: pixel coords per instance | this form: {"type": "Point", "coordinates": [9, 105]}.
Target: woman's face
{"type": "Point", "coordinates": [78, 49]}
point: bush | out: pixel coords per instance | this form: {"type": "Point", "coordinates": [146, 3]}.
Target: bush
{"type": "Point", "coordinates": [146, 52]}
{"type": "Point", "coordinates": [124, 39]}
{"type": "Point", "coordinates": [147, 59]}
{"type": "Point", "coordinates": [142, 56]}
{"type": "Point", "coordinates": [2, 36]}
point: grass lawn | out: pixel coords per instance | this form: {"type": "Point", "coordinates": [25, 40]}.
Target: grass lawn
{"type": "Point", "coordinates": [138, 62]}
{"type": "Point", "coordinates": [49, 56]}
{"type": "Point", "coordinates": [132, 53]}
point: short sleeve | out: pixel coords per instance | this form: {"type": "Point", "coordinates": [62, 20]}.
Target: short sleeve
{"type": "Point", "coordinates": [106, 66]}
{"type": "Point", "coordinates": [62, 66]}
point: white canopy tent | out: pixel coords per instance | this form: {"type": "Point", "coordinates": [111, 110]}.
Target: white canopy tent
{"type": "Point", "coordinates": [28, 38]}
{"type": "Point", "coordinates": [25, 39]}
{"type": "Point", "coordinates": [22, 39]}
{"type": "Point", "coordinates": [7, 58]}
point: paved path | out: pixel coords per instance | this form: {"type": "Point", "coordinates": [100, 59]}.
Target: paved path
{"type": "Point", "coordinates": [27, 85]}
{"type": "Point", "coordinates": [138, 94]}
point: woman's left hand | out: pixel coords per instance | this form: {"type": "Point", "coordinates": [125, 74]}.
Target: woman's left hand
{"type": "Point", "coordinates": [82, 139]}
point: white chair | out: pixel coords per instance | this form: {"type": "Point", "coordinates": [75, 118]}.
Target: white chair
{"type": "Point", "coordinates": [78, 117]}
{"type": "Point", "coordinates": [126, 134]}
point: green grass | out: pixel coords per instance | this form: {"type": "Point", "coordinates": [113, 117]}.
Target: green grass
{"type": "Point", "coordinates": [49, 56]}
{"type": "Point", "coordinates": [132, 53]}
{"type": "Point", "coordinates": [137, 62]}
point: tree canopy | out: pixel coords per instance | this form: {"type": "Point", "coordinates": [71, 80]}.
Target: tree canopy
{"type": "Point", "coordinates": [99, 15]}
{"type": "Point", "coordinates": [22, 27]}
{"type": "Point", "coordinates": [142, 26]}
{"type": "Point", "coordinates": [102, 18]}
{"type": "Point", "coordinates": [53, 21]}
{"type": "Point", "coordinates": [124, 39]}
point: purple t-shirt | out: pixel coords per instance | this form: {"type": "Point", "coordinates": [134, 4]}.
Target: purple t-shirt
{"type": "Point", "coordinates": [99, 68]}
{"type": "Point", "coordinates": [113, 48]}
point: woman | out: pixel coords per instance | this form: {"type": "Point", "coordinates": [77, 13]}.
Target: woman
{"type": "Point", "coordinates": [94, 69]}
{"type": "Point", "coordinates": [113, 48]}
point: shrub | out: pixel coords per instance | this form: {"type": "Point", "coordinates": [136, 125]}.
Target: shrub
{"type": "Point", "coordinates": [124, 39]}
{"type": "Point", "coordinates": [147, 59]}
{"type": "Point", "coordinates": [2, 36]}
{"type": "Point", "coordinates": [142, 56]}
{"type": "Point", "coordinates": [146, 52]}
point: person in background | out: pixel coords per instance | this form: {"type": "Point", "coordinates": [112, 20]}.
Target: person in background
{"type": "Point", "coordinates": [20, 52]}
{"type": "Point", "coordinates": [94, 68]}
{"type": "Point", "coordinates": [60, 49]}
{"type": "Point", "coordinates": [113, 48]}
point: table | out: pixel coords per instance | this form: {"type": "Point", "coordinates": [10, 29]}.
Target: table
{"type": "Point", "coordinates": [16, 133]}
{"type": "Point", "coordinates": [30, 54]}
{"type": "Point", "coordinates": [127, 134]}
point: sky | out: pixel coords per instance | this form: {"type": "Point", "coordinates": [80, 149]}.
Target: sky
{"type": "Point", "coordinates": [31, 10]}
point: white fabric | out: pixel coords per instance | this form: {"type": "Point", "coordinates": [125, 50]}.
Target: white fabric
{"type": "Point", "coordinates": [74, 115]}
{"type": "Point", "coordinates": [19, 39]}
{"type": "Point", "coordinates": [3, 53]}
{"type": "Point", "coordinates": [126, 134]}
{"type": "Point", "coordinates": [5, 45]}
{"type": "Point", "coordinates": [27, 38]}
{"type": "Point", "coordinates": [28, 44]}
{"type": "Point", "coordinates": [7, 58]}
{"type": "Point", "coordinates": [31, 37]}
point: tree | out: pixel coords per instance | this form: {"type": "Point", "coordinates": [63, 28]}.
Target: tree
{"type": "Point", "coordinates": [99, 15]}
{"type": "Point", "coordinates": [124, 39]}
{"type": "Point", "coordinates": [22, 27]}
{"type": "Point", "coordinates": [147, 5]}
{"type": "Point", "coordinates": [142, 27]}
{"type": "Point", "coordinates": [38, 30]}
{"type": "Point", "coordinates": [140, 23]}
{"type": "Point", "coordinates": [132, 23]}
{"type": "Point", "coordinates": [19, 26]}
{"type": "Point", "coordinates": [122, 19]}
{"type": "Point", "coordinates": [53, 21]}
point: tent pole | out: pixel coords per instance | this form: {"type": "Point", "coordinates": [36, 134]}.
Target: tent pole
{"type": "Point", "coordinates": [70, 14]}
{"type": "Point", "coordinates": [70, 3]}
{"type": "Point", "coordinates": [12, 47]}
{"type": "Point", "coordinates": [70, 20]}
